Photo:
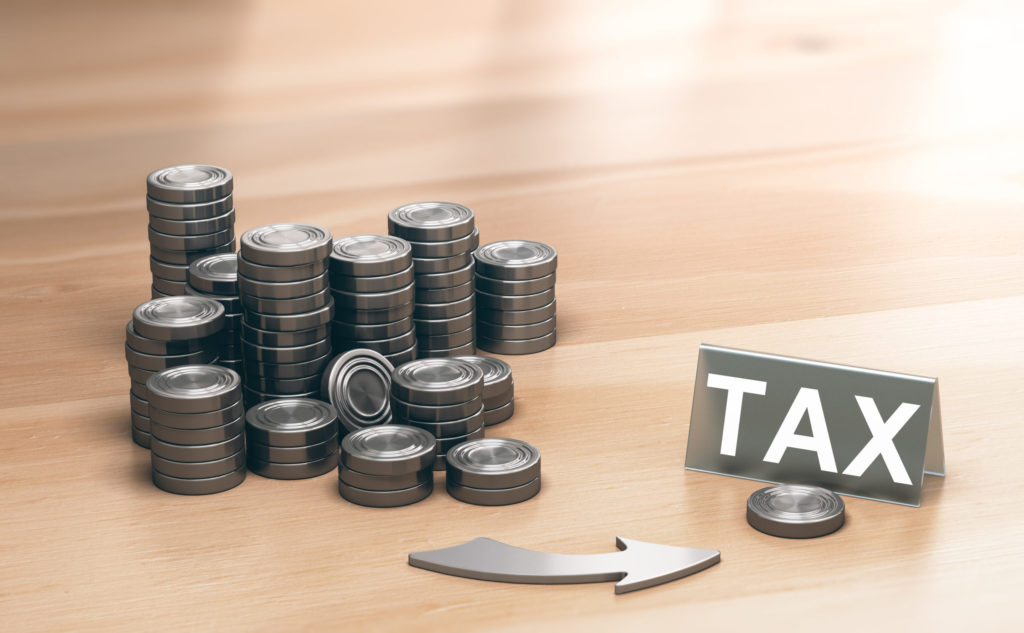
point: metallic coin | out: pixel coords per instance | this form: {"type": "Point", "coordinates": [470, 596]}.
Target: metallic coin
{"type": "Point", "coordinates": [290, 371]}
{"type": "Point", "coordinates": [515, 332]}
{"type": "Point", "coordinates": [299, 354]}
{"type": "Point", "coordinates": [291, 422]}
{"type": "Point", "coordinates": [141, 422]}
{"type": "Point", "coordinates": [382, 346]}
{"type": "Point", "coordinates": [381, 283]}
{"type": "Point", "coordinates": [357, 383]}
{"type": "Point", "coordinates": [197, 421]}
{"type": "Point", "coordinates": [524, 287]}
{"type": "Point", "coordinates": [376, 317]}
{"type": "Point", "coordinates": [270, 338]}
{"type": "Point", "coordinates": [293, 454]}
{"type": "Point", "coordinates": [431, 221]}
{"type": "Point", "coordinates": [282, 290]}
{"type": "Point", "coordinates": [198, 470]}
{"type": "Point", "coordinates": [402, 357]}
{"type": "Point", "coordinates": [197, 452]}
{"type": "Point", "coordinates": [189, 211]}
{"type": "Point", "coordinates": [286, 244]}
{"type": "Point", "coordinates": [447, 248]}
{"type": "Point", "coordinates": [497, 375]}
{"type": "Point", "coordinates": [156, 294]}
{"type": "Point", "coordinates": [448, 352]}
{"type": "Point", "coordinates": [453, 428]}
{"type": "Point", "coordinates": [517, 346]}
{"type": "Point", "coordinates": [492, 463]}
{"type": "Point", "coordinates": [291, 387]}
{"type": "Point", "coordinates": [233, 364]}
{"type": "Point", "coordinates": [280, 274]}
{"type": "Point", "coordinates": [138, 405]}
{"type": "Point", "coordinates": [298, 305]}
{"type": "Point", "coordinates": [441, 264]}
{"type": "Point", "coordinates": [445, 280]}
{"type": "Point", "coordinates": [193, 389]}
{"type": "Point", "coordinates": [305, 470]}
{"type": "Point", "coordinates": [433, 327]}
{"type": "Point", "coordinates": [178, 318]}
{"type": "Point", "coordinates": [139, 390]}
{"type": "Point", "coordinates": [375, 332]}
{"type": "Point", "coordinates": [140, 437]}
{"type": "Point", "coordinates": [795, 511]}
{"type": "Point", "coordinates": [232, 303]}
{"type": "Point", "coordinates": [385, 499]}
{"type": "Point", "coordinates": [445, 341]}
{"type": "Point", "coordinates": [384, 483]}
{"type": "Point", "coordinates": [140, 375]}
{"type": "Point", "coordinates": [155, 363]}
{"type": "Point", "coordinates": [514, 302]}
{"type": "Point", "coordinates": [434, 311]}
{"type": "Point", "coordinates": [169, 242]}
{"type": "Point", "coordinates": [388, 449]}
{"type": "Point", "coordinates": [515, 260]}
{"type": "Point", "coordinates": [443, 295]}
{"type": "Point", "coordinates": [215, 274]}
{"type": "Point", "coordinates": [444, 444]}
{"type": "Point", "coordinates": [499, 414]}
{"type": "Point", "coordinates": [434, 413]}
{"type": "Point", "coordinates": [292, 322]}
{"type": "Point", "coordinates": [169, 288]}
{"type": "Point", "coordinates": [251, 397]}
{"type": "Point", "coordinates": [214, 435]}
{"type": "Point", "coordinates": [370, 255]}
{"type": "Point", "coordinates": [516, 317]}
{"type": "Point", "coordinates": [439, 464]}
{"type": "Point", "coordinates": [499, 497]}
{"type": "Point", "coordinates": [205, 226]}
{"type": "Point", "coordinates": [189, 183]}
{"type": "Point", "coordinates": [172, 272]}
{"type": "Point", "coordinates": [206, 486]}
{"type": "Point", "coordinates": [374, 300]}
{"type": "Point", "coordinates": [437, 381]}
{"type": "Point", "coordinates": [184, 258]}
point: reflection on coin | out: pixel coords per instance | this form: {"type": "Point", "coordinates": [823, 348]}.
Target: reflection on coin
{"type": "Point", "coordinates": [795, 511]}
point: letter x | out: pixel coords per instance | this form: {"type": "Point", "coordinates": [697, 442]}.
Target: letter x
{"type": "Point", "coordinates": [882, 433]}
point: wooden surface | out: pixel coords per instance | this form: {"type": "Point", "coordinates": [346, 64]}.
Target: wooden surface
{"type": "Point", "coordinates": [837, 180]}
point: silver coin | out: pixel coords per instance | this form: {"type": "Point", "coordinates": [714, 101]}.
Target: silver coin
{"type": "Point", "coordinates": [374, 300]}
{"type": "Point", "coordinates": [230, 363]}
{"type": "Point", "coordinates": [178, 318]}
{"type": "Point", "coordinates": [291, 322]}
{"type": "Point", "coordinates": [138, 405]}
{"type": "Point", "coordinates": [270, 338]}
{"type": "Point", "coordinates": [443, 444]}
{"type": "Point", "coordinates": [198, 470]}
{"type": "Point", "coordinates": [298, 305]}
{"type": "Point", "coordinates": [169, 288]}
{"type": "Point", "coordinates": [215, 274]}
{"type": "Point", "coordinates": [437, 381]}
{"type": "Point", "coordinates": [251, 397]}
{"type": "Point", "coordinates": [384, 483]}
{"type": "Point", "coordinates": [440, 264]}
{"type": "Point", "coordinates": [290, 371]}
{"type": "Point", "coordinates": [499, 414]}
{"type": "Point", "coordinates": [492, 463]}
{"type": "Point", "coordinates": [439, 464]}
{"type": "Point", "coordinates": [795, 511]}
{"type": "Point", "coordinates": [447, 352]}
{"type": "Point", "coordinates": [232, 303]}
{"type": "Point", "coordinates": [402, 357]}
{"type": "Point", "coordinates": [205, 226]}
{"type": "Point", "coordinates": [517, 347]}
{"type": "Point", "coordinates": [140, 437]}
{"type": "Point", "coordinates": [163, 270]}
{"type": "Point", "coordinates": [388, 449]}
{"type": "Point", "coordinates": [523, 287]}
{"type": "Point", "coordinates": [516, 317]}
{"type": "Point", "coordinates": [434, 311]}
{"type": "Point", "coordinates": [382, 346]}
{"type": "Point", "coordinates": [358, 384]}
{"type": "Point", "coordinates": [211, 485]}
{"type": "Point", "coordinates": [293, 454]}
{"type": "Point", "coordinates": [443, 295]}
{"type": "Point", "coordinates": [282, 290]}
{"type": "Point", "coordinates": [197, 421]}
{"type": "Point", "coordinates": [290, 387]}
{"type": "Point", "coordinates": [291, 422]}
{"type": "Point", "coordinates": [385, 499]}
{"type": "Point", "coordinates": [141, 422]}
{"type": "Point", "coordinates": [357, 332]}
{"type": "Point", "coordinates": [299, 354]}
{"type": "Point", "coordinates": [515, 260]}
{"type": "Point", "coordinates": [208, 241]}
{"type": "Point", "coordinates": [447, 248]}
{"type": "Point", "coordinates": [514, 302]}
{"type": "Point", "coordinates": [444, 341]}
{"type": "Point", "coordinates": [431, 221]}
{"type": "Point", "coordinates": [197, 452]}
{"type": "Point", "coordinates": [497, 375]}
{"type": "Point", "coordinates": [155, 363]}
{"type": "Point", "coordinates": [193, 389]}
{"type": "Point", "coordinates": [190, 210]}
{"type": "Point", "coordinates": [280, 274]}
{"type": "Point", "coordinates": [184, 258]}
{"type": "Point", "coordinates": [452, 428]}
{"type": "Point", "coordinates": [139, 390]}
{"type": "Point", "coordinates": [286, 244]}
{"type": "Point", "coordinates": [140, 375]}
{"type": "Point", "coordinates": [189, 183]}
{"type": "Point", "coordinates": [380, 283]}
{"type": "Point", "coordinates": [376, 317]}
{"type": "Point", "coordinates": [434, 413]}
{"type": "Point", "coordinates": [433, 327]}
{"type": "Point", "coordinates": [445, 280]}
{"type": "Point", "coordinates": [370, 255]}
{"type": "Point", "coordinates": [212, 435]}
{"type": "Point", "coordinates": [499, 497]}
{"type": "Point", "coordinates": [515, 332]}
{"type": "Point", "coordinates": [305, 470]}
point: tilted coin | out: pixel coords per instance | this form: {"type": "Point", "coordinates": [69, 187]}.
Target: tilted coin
{"type": "Point", "coordinates": [497, 374]}
{"type": "Point", "coordinates": [291, 322]}
{"type": "Point", "coordinates": [382, 346]}
{"type": "Point", "coordinates": [795, 511]}
{"type": "Point", "coordinates": [251, 397]}
{"type": "Point", "coordinates": [291, 387]}
{"type": "Point", "coordinates": [437, 381]}
{"type": "Point", "coordinates": [138, 405]}
{"type": "Point", "coordinates": [431, 221]}
{"type": "Point", "coordinates": [298, 354]}
{"type": "Point", "coordinates": [298, 305]}
{"type": "Point", "coordinates": [290, 371]}
{"type": "Point", "coordinates": [186, 184]}
{"type": "Point", "coordinates": [155, 363]}
{"type": "Point", "coordinates": [515, 260]}
{"type": "Point", "coordinates": [204, 226]}
{"type": "Point", "coordinates": [141, 437]}
{"type": "Point", "coordinates": [291, 422]}
{"type": "Point", "coordinates": [193, 389]}
{"type": "Point", "coordinates": [433, 327]}
{"type": "Point", "coordinates": [357, 384]}
{"type": "Point", "coordinates": [178, 318]}
{"type": "Point", "coordinates": [374, 300]}
{"type": "Point", "coordinates": [447, 248]}
{"type": "Point", "coordinates": [370, 255]}
{"type": "Point", "coordinates": [389, 449]}
{"type": "Point", "coordinates": [492, 463]}
{"type": "Point", "coordinates": [142, 423]}
{"type": "Point", "coordinates": [376, 317]}
{"type": "Point", "coordinates": [286, 244]}
{"type": "Point", "coordinates": [207, 241]}
{"type": "Point", "coordinates": [166, 348]}
{"type": "Point", "coordinates": [215, 274]}
{"type": "Point", "coordinates": [517, 346]}
{"type": "Point", "coordinates": [402, 357]}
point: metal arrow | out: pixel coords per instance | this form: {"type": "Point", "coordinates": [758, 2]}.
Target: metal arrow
{"type": "Point", "coordinates": [638, 566]}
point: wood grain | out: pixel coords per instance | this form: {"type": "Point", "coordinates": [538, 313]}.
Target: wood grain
{"type": "Point", "coordinates": [842, 181]}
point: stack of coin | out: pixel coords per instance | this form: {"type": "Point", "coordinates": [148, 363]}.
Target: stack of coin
{"type": "Point", "coordinates": [287, 309]}
{"type": "Point", "coordinates": [357, 383]}
{"type": "Point", "coordinates": [167, 332]}
{"type": "Point", "coordinates": [515, 297]}
{"type": "Point", "coordinates": [386, 466]}
{"type": "Point", "coordinates": [372, 286]}
{"type": "Point", "coordinates": [442, 236]}
{"type": "Point", "coordinates": [216, 277]}
{"type": "Point", "coordinates": [191, 215]}
{"type": "Point", "coordinates": [440, 395]}
{"type": "Point", "coordinates": [499, 388]}
{"type": "Point", "coordinates": [292, 438]}
{"type": "Point", "coordinates": [198, 447]}
{"type": "Point", "coordinates": [494, 471]}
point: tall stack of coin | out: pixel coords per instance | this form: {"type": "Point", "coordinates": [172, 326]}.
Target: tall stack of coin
{"type": "Point", "coordinates": [443, 396]}
{"type": "Point", "coordinates": [372, 286]}
{"type": "Point", "coordinates": [216, 277]}
{"type": "Point", "coordinates": [442, 236]}
{"type": "Point", "coordinates": [292, 438]}
{"type": "Point", "coordinates": [198, 446]}
{"type": "Point", "coordinates": [494, 471]}
{"type": "Point", "coordinates": [357, 383]}
{"type": "Point", "coordinates": [386, 466]}
{"type": "Point", "coordinates": [191, 215]}
{"type": "Point", "coordinates": [167, 332]}
{"type": "Point", "coordinates": [499, 388]}
{"type": "Point", "coordinates": [515, 297]}
{"type": "Point", "coordinates": [287, 309]}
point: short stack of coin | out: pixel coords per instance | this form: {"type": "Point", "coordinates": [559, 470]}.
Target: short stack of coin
{"type": "Point", "coordinates": [443, 396]}
{"type": "Point", "coordinates": [494, 471]}
{"type": "Point", "coordinates": [515, 297]}
{"type": "Point", "coordinates": [292, 438]}
{"type": "Point", "coordinates": [357, 383]}
{"type": "Point", "coordinates": [442, 236]}
{"type": "Point", "coordinates": [386, 466]}
{"type": "Point", "coordinates": [216, 277]}
{"type": "Point", "coordinates": [499, 388]}
{"type": "Point", "coordinates": [198, 445]}
{"type": "Point", "coordinates": [191, 215]}
{"type": "Point", "coordinates": [287, 308]}
{"type": "Point", "coordinates": [372, 286]}
{"type": "Point", "coordinates": [167, 332]}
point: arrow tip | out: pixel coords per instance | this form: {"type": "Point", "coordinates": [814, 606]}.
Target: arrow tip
{"type": "Point", "coordinates": [650, 564]}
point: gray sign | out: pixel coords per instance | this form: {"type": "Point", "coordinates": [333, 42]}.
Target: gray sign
{"type": "Point", "coordinates": [860, 432]}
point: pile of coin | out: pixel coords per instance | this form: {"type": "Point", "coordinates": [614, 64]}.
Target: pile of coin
{"type": "Point", "coordinates": [372, 286]}
{"type": "Point", "coordinates": [357, 383]}
{"type": "Point", "coordinates": [494, 471]}
{"type": "Point", "coordinates": [499, 388]}
{"type": "Point", "coordinates": [191, 215]}
{"type": "Point", "coordinates": [167, 332]}
{"type": "Point", "coordinates": [287, 309]}
{"type": "Point", "coordinates": [198, 447]}
{"type": "Point", "coordinates": [443, 396]}
{"type": "Point", "coordinates": [386, 466]}
{"type": "Point", "coordinates": [442, 236]}
{"type": "Point", "coordinates": [292, 438]}
{"type": "Point", "coordinates": [515, 296]}
{"type": "Point", "coordinates": [216, 277]}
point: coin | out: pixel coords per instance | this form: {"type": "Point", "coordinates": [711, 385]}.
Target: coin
{"type": "Point", "coordinates": [357, 383]}
{"type": "Point", "coordinates": [293, 454]}
{"type": "Point", "coordinates": [198, 470]}
{"type": "Point", "coordinates": [795, 511]}
{"type": "Point", "coordinates": [140, 375]}
{"type": "Point", "coordinates": [492, 463]}
{"type": "Point", "coordinates": [172, 272]}
{"type": "Point", "coordinates": [376, 317]}
{"type": "Point", "coordinates": [197, 421]}
{"type": "Point", "coordinates": [215, 274]}
{"type": "Point", "coordinates": [292, 322]}
{"type": "Point", "coordinates": [189, 183]}
{"type": "Point", "coordinates": [197, 452]}
{"type": "Point", "coordinates": [184, 258]}
{"type": "Point", "coordinates": [298, 354]}
{"type": "Point", "coordinates": [193, 389]}
{"type": "Point", "coordinates": [434, 311]}
{"type": "Point", "coordinates": [497, 375]}
{"type": "Point", "coordinates": [374, 300]}
{"type": "Point", "coordinates": [232, 303]}
{"type": "Point", "coordinates": [434, 413]}
{"type": "Point", "coordinates": [304, 470]}
{"type": "Point", "coordinates": [445, 280]}
{"type": "Point", "coordinates": [212, 435]}
{"type": "Point", "coordinates": [138, 405]}
{"type": "Point", "coordinates": [298, 305]}
{"type": "Point", "coordinates": [448, 352]}
{"type": "Point", "coordinates": [155, 363]}
{"type": "Point", "coordinates": [442, 295]}
{"type": "Point", "coordinates": [517, 346]}
{"type": "Point", "coordinates": [402, 357]}
{"type": "Point", "coordinates": [431, 221]}
{"type": "Point", "coordinates": [142, 422]}
{"type": "Point", "coordinates": [382, 346]}
{"type": "Point", "coordinates": [290, 371]}
{"type": "Point", "coordinates": [270, 338]}
{"type": "Point", "coordinates": [499, 497]}
{"type": "Point", "coordinates": [370, 255]}
{"type": "Point", "coordinates": [444, 341]}
{"type": "Point", "coordinates": [178, 318]}
{"type": "Point", "coordinates": [291, 422]}
{"type": "Point", "coordinates": [451, 428]}
{"type": "Point", "coordinates": [446, 248]}
{"type": "Point", "coordinates": [499, 414]}
{"type": "Point", "coordinates": [514, 302]}
{"type": "Point", "coordinates": [168, 288]}
{"type": "Point", "coordinates": [389, 449]}
{"type": "Point", "coordinates": [357, 332]}
{"type": "Point", "coordinates": [441, 264]}
{"type": "Point", "coordinates": [251, 397]}
{"type": "Point", "coordinates": [506, 287]}
{"type": "Point", "coordinates": [433, 327]}
{"type": "Point", "coordinates": [516, 317]}
{"type": "Point", "coordinates": [443, 444]}
{"type": "Point", "coordinates": [169, 242]}
{"type": "Point", "coordinates": [381, 283]}
{"type": "Point", "coordinates": [282, 290]}
{"type": "Point", "coordinates": [286, 244]}
{"type": "Point", "coordinates": [515, 260]}
{"type": "Point", "coordinates": [140, 437]}
{"type": "Point", "coordinates": [189, 210]}
{"type": "Point", "coordinates": [386, 499]}
{"type": "Point", "coordinates": [205, 226]}
{"type": "Point", "coordinates": [384, 483]}
{"type": "Point", "coordinates": [437, 381]}
{"type": "Point", "coordinates": [206, 486]}
{"type": "Point", "coordinates": [139, 390]}
{"type": "Point", "coordinates": [280, 274]}
{"type": "Point", "coordinates": [292, 387]}
{"type": "Point", "coordinates": [535, 330]}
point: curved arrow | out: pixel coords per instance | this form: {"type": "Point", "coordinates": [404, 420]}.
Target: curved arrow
{"type": "Point", "coordinates": [638, 566]}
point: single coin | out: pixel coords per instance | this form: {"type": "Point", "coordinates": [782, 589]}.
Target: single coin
{"type": "Point", "coordinates": [197, 421]}
{"type": "Point", "coordinates": [497, 375]}
{"type": "Point", "coordinates": [441, 264]}
{"type": "Point", "coordinates": [445, 280]}
{"type": "Point", "coordinates": [293, 454]}
{"type": "Point", "coordinates": [299, 354]}
{"type": "Point", "coordinates": [198, 452]}
{"type": "Point", "coordinates": [213, 435]}
{"type": "Point", "coordinates": [270, 338]}
{"type": "Point", "coordinates": [251, 397]}
{"type": "Point", "coordinates": [193, 389]}
{"type": "Point", "coordinates": [375, 332]}
{"type": "Point", "coordinates": [215, 274]}
{"type": "Point", "coordinates": [370, 255]}
{"type": "Point", "coordinates": [499, 414]}
{"type": "Point", "coordinates": [140, 375]}
{"type": "Point", "coordinates": [141, 422]}
{"type": "Point", "coordinates": [492, 463]}
{"type": "Point", "coordinates": [500, 497]}
{"type": "Point", "coordinates": [382, 346]}
{"type": "Point", "coordinates": [198, 470]}
{"type": "Point", "coordinates": [139, 390]}
{"type": "Point", "coordinates": [795, 511]}
{"type": "Point", "coordinates": [204, 226]}
{"type": "Point", "coordinates": [516, 317]}
{"type": "Point", "coordinates": [437, 381]}
{"type": "Point", "coordinates": [447, 248]}
{"type": "Point", "coordinates": [434, 413]}
{"type": "Point", "coordinates": [515, 260]}
{"type": "Point", "coordinates": [169, 288]}
{"type": "Point", "coordinates": [517, 347]}
{"type": "Point", "coordinates": [205, 486]}
{"type": "Point", "coordinates": [444, 341]}
{"type": "Point", "coordinates": [448, 352]}
{"type": "Point", "coordinates": [233, 364]}
{"type": "Point", "coordinates": [157, 362]}
{"type": "Point", "coordinates": [184, 258]}
{"type": "Point", "coordinates": [376, 317]}
{"type": "Point", "coordinates": [207, 241]}
{"type": "Point", "coordinates": [374, 300]}
{"type": "Point", "coordinates": [431, 221]}
{"type": "Point", "coordinates": [381, 283]}
{"type": "Point", "coordinates": [434, 311]}
{"type": "Point", "coordinates": [163, 270]}
{"type": "Point", "coordinates": [433, 327]}
{"type": "Point", "coordinates": [384, 483]}
{"type": "Point", "coordinates": [140, 437]}
{"type": "Point", "coordinates": [189, 183]}
{"type": "Point", "coordinates": [280, 274]}
{"type": "Point", "coordinates": [388, 449]}
{"type": "Point", "coordinates": [388, 499]}
{"type": "Point", "coordinates": [514, 302]}
{"type": "Point", "coordinates": [282, 290]}
{"type": "Point", "coordinates": [402, 357]}
{"type": "Point", "coordinates": [189, 211]}
{"type": "Point", "coordinates": [178, 318]}
{"type": "Point", "coordinates": [286, 244]}
{"type": "Point", "coordinates": [522, 287]}
{"type": "Point", "coordinates": [290, 371]}
{"type": "Point", "coordinates": [357, 383]}
{"type": "Point", "coordinates": [232, 303]}
{"type": "Point", "coordinates": [291, 422]}
{"type": "Point", "coordinates": [305, 470]}
{"type": "Point", "coordinates": [452, 428]}
{"type": "Point", "coordinates": [515, 332]}
{"type": "Point", "coordinates": [443, 295]}
{"type": "Point", "coordinates": [138, 405]}
{"type": "Point", "coordinates": [291, 387]}
{"type": "Point", "coordinates": [443, 444]}
{"type": "Point", "coordinates": [291, 322]}
{"type": "Point", "coordinates": [298, 305]}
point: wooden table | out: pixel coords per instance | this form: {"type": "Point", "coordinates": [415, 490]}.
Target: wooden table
{"type": "Point", "coordinates": [842, 181]}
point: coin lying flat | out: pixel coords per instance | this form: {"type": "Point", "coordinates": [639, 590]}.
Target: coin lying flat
{"type": "Point", "coordinates": [374, 300]}
{"type": "Point", "coordinates": [517, 346]}
{"type": "Point", "coordinates": [357, 383]}
{"type": "Point", "coordinates": [516, 332]}
{"type": "Point", "coordinates": [189, 210]}
{"type": "Point", "coordinates": [499, 414]}
{"type": "Point", "coordinates": [390, 449]}
{"type": "Point", "coordinates": [372, 332]}
{"type": "Point", "coordinates": [434, 413]}
{"type": "Point", "coordinates": [293, 454]}
{"type": "Point", "coordinates": [514, 302]}
{"type": "Point", "coordinates": [213, 435]}
{"type": "Point", "coordinates": [168, 288]}
{"type": "Point", "coordinates": [431, 221]}
{"type": "Point", "coordinates": [198, 470]}
{"type": "Point", "coordinates": [163, 270]}
{"type": "Point", "coordinates": [280, 274]}
{"type": "Point", "coordinates": [290, 371]}
{"type": "Point", "coordinates": [437, 381]}
{"type": "Point", "coordinates": [456, 277]}
{"type": "Point", "coordinates": [370, 255]}
{"type": "Point", "coordinates": [384, 483]}
{"type": "Point", "coordinates": [492, 463]}
{"type": "Point", "coordinates": [140, 437]}
{"type": "Point", "coordinates": [444, 341]}
{"type": "Point", "coordinates": [185, 184]}
{"type": "Point", "coordinates": [178, 318]}
{"type": "Point", "coordinates": [499, 497]}
{"type": "Point", "coordinates": [450, 428]}
{"type": "Point", "coordinates": [291, 322]}
{"type": "Point", "coordinates": [516, 317]}
{"type": "Point", "coordinates": [379, 283]}
{"type": "Point", "coordinates": [197, 452]}
{"type": "Point", "coordinates": [303, 470]}
{"type": "Point", "coordinates": [207, 241]}
{"type": "Point", "coordinates": [193, 389]}
{"type": "Point", "coordinates": [158, 362]}
{"type": "Point", "coordinates": [447, 248]}
{"type": "Point", "coordinates": [196, 421]}
{"type": "Point", "coordinates": [286, 244]}
{"type": "Point", "coordinates": [515, 260]}
{"type": "Point", "coordinates": [271, 338]}
{"type": "Point", "coordinates": [441, 295]}
{"type": "Point", "coordinates": [497, 374]}
{"type": "Point", "coordinates": [204, 226]}
{"type": "Point", "coordinates": [184, 258]}
{"type": "Point", "coordinates": [206, 486]}
{"type": "Point", "coordinates": [376, 317]}
{"type": "Point", "coordinates": [381, 346]}
{"type": "Point", "coordinates": [299, 354]}
{"type": "Point", "coordinates": [523, 287]}
{"type": "Point", "coordinates": [441, 264]}
{"type": "Point", "coordinates": [402, 357]}
{"type": "Point", "coordinates": [433, 327]}
{"type": "Point", "coordinates": [215, 274]}
{"type": "Point", "coordinates": [284, 386]}
{"type": "Point", "coordinates": [434, 311]}
{"type": "Point", "coordinates": [298, 305]}
{"type": "Point", "coordinates": [795, 511]}
{"type": "Point", "coordinates": [450, 352]}
{"type": "Point", "coordinates": [291, 422]}
{"type": "Point", "coordinates": [385, 499]}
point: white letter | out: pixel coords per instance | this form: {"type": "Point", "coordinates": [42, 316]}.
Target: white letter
{"type": "Point", "coordinates": [806, 401]}
{"type": "Point", "coordinates": [735, 387]}
{"type": "Point", "coordinates": [882, 433]}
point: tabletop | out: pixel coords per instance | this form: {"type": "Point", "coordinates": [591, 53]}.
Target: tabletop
{"type": "Point", "coordinates": [841, 181]}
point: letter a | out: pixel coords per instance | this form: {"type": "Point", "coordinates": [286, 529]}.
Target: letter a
{"type": "Point", "coordinates": [806, 401]}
